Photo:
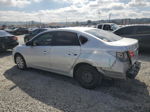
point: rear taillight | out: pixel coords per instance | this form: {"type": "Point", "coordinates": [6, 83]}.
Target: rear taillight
{"type": "Point", "coordinates": [131, 53]}
{"type": "Point", "coordinates": [15, 38]}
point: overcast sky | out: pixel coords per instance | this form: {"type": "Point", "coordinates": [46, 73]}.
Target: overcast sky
{"type": "Point", "coordinates": [73, 10]}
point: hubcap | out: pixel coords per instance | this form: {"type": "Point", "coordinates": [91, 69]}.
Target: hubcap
{"type": "Point", "coordinates": [20, 62]}
{"type": "Point", "coordinates": [87, 77]}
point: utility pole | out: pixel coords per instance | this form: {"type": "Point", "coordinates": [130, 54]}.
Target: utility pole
{"type": "Point", "coordinates": [66, 20]}
{"type": "Point", "coordinates": [40, 21]}
{"type": "Point", "coordinates": [99, 13]}
{"type": "Point", "coordinates": [109, 16]}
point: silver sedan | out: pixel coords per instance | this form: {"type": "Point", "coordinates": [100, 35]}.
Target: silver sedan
{"type": "Point", "coordinates": [87, 54]}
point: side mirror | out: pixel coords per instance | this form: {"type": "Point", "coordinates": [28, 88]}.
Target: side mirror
{"type": "Point", "coordinates": [29, 43]}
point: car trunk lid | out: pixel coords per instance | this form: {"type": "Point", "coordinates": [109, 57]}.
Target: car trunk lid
{"type": "Point", "coordinates": [128, 45]}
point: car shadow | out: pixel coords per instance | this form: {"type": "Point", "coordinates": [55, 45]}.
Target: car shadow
{"type": "Point", "coordinates": [65, 93]}
{"type": "Point", "coordinates": [5, 53]}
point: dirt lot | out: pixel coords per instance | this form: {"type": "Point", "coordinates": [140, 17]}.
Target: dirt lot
{"type": "Point", "coordinates": [40, 91]}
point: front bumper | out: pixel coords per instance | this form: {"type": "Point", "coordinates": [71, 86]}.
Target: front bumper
{"type": "Point", "coordinates": [133, 71]}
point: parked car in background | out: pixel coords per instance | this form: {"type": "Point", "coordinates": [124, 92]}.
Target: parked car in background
{"type": "Point", "coordinates": [7, 40]}
{"type": "Point", "coordinates": [34, 33]}
{"type": "Point", "coordinates": [139, 32]}
{"type": "Point", "coordinates": [19, 31]}
{"type": "Point", "coordinates": [107, 26]}
{"type": "Point", "coordinates": [87, 54]}
{"type": "Point", "coordinates": [32, 29]}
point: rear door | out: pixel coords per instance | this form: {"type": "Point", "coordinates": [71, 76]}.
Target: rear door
{"type": "Point", "coordinates": [65, 51]}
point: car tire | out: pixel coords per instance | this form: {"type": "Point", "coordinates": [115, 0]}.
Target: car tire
{"type": "Point", "coordinates": [21, 64]}
{"type": "Point", "coordinates": [88, 76]}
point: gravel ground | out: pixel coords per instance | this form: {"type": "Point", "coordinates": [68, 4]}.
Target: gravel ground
{"type": "Point", "coordinates": [39, 91]}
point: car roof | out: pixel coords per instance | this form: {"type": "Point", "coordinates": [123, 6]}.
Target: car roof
{"type": "Point", "coordinates": [136, 25]}
{"type": "Point", "coordinates": [78, 29]}
{"type": "Point", "coordinates": [106, 23]}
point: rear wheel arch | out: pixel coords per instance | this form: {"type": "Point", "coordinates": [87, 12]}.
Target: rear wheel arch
{"type": "Point", "coordinates": [79, 65]}
{"type": "Point", "coordinates": [87, 75]}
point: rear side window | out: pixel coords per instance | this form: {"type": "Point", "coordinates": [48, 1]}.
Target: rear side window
{"type": "Point", "coordinates": [104, 35]}
{"type": "Point", "coordinates": [63, 38]}
{"type": "Point", "coordinates": [83, 39]}
{"type": "Point", "coordinates": [125, 31]}
{"type": "Point", "coordinates": [143, 30]}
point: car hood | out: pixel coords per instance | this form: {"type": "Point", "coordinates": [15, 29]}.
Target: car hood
{"type": "Point", "coordinates": [125, 43]}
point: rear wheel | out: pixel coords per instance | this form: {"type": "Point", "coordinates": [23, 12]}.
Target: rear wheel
{"type": "Point", "coordinates": [21, 64]}
{"type": "Point", "coordinates": [88, 76]}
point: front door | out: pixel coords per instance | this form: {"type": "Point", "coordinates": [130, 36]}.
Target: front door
{"type": "Point", "coordinates": [39, 54]}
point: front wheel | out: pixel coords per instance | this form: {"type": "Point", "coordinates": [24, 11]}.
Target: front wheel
{"type": "Point", "coordinates": [21, 64]}
{"type": "Point", "coordinates": [88, 76]}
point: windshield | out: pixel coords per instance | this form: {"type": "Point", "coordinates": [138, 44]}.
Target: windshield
{"type": "Point", "coordinates": [114, 27]}
{"type": "Point", "coordinates": [35, 32]}
{"type": "Point", "coordinates": [104, 35]}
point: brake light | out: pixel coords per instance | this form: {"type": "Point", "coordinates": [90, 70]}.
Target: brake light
{"type": "Point", "coordinates": [131, 53]}
{"type": "Point", "coordinates": [15, 38]}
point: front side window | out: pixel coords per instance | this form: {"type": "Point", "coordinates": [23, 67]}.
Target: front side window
{"type": "Point", "coordinates": [35, 32]}
{"type": "Point", "coordinates": [63, 38]}
{"type": "Point", "coordinates": [104, 35]}
{"type": "Point", "coordinates": [43, 39]}
{"type": "Point", "coordinates": [107, 27]}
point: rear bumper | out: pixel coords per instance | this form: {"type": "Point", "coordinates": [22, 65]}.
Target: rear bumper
{"type": "Point", "coordinates": [133, 71]}
{"type": "Point", "coordinates": [11, 45]}
{"type": "Point", "coordinates": [129, 73]}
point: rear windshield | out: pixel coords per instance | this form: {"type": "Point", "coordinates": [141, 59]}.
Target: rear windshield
{"type": "Point", "coordinates": [4, 33]}
{"type": "Point", "coordinates": [104, 35]}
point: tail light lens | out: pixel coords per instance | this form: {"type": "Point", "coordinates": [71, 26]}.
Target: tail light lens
{"type": "Point", "coordinates": [15, 38]}
{"type": "Point", "coordinates": [131, 53]}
